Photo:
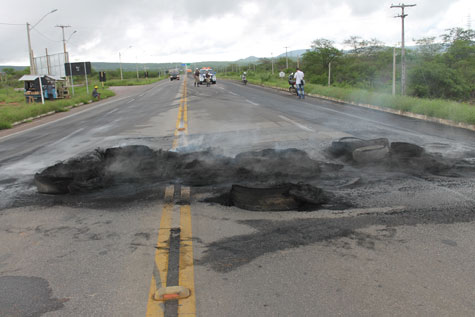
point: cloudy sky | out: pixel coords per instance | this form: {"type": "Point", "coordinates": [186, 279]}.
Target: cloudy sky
{"type": "Point", "coordinates": [192, 31]}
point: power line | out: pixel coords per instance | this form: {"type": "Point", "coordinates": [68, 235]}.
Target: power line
{"type": "Point", "coordinates": [44, 36]}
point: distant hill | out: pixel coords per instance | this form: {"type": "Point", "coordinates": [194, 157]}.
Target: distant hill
{"type": "Point", "coordinates": [294, 53]}
{"type": "Point", "coordinates": [14, 67]}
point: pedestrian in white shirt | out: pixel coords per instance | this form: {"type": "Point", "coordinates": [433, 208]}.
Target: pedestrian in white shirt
{"type": "Point", "coordinates": [299, 83]}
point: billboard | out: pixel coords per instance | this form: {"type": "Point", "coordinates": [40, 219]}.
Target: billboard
{"type": "Point", "coordinates": [81, 68]}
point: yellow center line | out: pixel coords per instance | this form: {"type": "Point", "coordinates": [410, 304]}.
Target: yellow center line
{"type": "Point", "coordinates": [186, 277]}
{"type": "Point", "coordinates": [155, 308]}
{"type": "Point", "coordinates": [182, 117]}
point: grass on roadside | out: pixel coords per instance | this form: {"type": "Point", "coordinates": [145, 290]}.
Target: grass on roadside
{"type": "Point", "coordinates": [13, 107]}
{"type": "Point", "coordinates": [438, 108]}
{"type": "Point", "coordinates": [132, 82]}
{"type": "Point", "coordinates": [10, 114]}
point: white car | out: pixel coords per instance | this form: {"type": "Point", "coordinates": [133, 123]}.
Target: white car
{"type": "Point", "coordinates": [203, 73]}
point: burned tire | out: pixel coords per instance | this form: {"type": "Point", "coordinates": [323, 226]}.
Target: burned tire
{"type": "Point", "coordinates": [347, 145]}
{"type": "Point", "coordinates": [369, 154]}
{"type": "Point", "coordinates": [262, 199]}
{"type": "Point", "coordinates": [284, 197]}
{"type": "Point", "coordinates": [405, 150]}
{"type": "Point", "coordinates": [52, 185]}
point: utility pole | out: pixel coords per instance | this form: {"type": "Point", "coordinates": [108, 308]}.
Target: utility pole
{"type": "Point", "coordinates": [66, 57]}
{"type": "Point", "coordinates": [403, 56]}
{"type": "Point", "coordinates": [272, 61]}
{"type": "Point", "coordinates": [329, 73]}
{"type": "Point", "coordinates": [30, 52]}
{"type": "Point", "coordinates": [394, 71]}
{"type": "Point", "coordinates": [120, 65]}
{"type": "Point", "coordinates": [48, 64]}
{"type": "Point", "coordinates": [286, 57]}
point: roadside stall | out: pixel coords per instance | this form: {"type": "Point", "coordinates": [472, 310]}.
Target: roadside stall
{"type": "Point", "coordinates": [41, 87]}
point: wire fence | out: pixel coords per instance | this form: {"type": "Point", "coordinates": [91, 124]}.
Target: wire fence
{"type": "Point", "coordinates": [50, 65]}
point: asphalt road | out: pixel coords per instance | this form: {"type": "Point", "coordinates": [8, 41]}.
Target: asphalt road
{"type": "Point", "coordinates": [404, 247]}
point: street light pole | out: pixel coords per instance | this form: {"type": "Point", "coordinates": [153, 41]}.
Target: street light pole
{"type": "Point", "coordinates": [120, 66]}
{"type": "Point", "coordinates": [286, 58]}
{"type": "Point", "coordinates": [30, 51]}
{"type": "Point", "coordinates": [272, 61]}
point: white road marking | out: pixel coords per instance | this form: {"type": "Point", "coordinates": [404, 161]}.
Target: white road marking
{"type": "Point", "coordinates": [301, 126]}
{"type": "Point", "coordinates": [252, 103]}
{"type": "Point", "coordinates": [141, 95]}
{"type": "Point", "coordinates": [66, 137]}
{"type": "Point", "coordinates": [232, 93]}
{"type": "Point", "coordinates": [131, 100]}
{"type": "Point", "coordinates": [112, 111]}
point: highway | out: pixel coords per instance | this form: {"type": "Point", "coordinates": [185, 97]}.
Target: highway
{"type": "Point", "coordinates": [402, 245]}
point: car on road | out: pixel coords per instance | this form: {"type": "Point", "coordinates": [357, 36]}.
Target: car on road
{"type": "Point", "coordinates": [174, 74]}
{"type": "Point", "coordinates": [203, 73]}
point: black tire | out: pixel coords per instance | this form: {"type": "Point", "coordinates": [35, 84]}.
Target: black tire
{"type": "Point", "coordinates": [293, 91]}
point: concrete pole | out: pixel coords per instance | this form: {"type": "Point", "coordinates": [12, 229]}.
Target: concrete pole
{"type": "Point", "coordinates": [329, 73]}
{"type": "Point", "coordinates": [120, 65]}
{"type": "Point", "coordinates": [403, 59]}
{"type": "Point", "coordinates": [30, 52]}
{"type": "Point", "coordinates": [272, 61]}
{"type": "Point", "coordinates": [286, 58]}
{"type": "Point", "coordinates": [403, 55]}
{"type": "Point", "coordinates": [85, 74]}
{"type": "Point", "coordinates": [48, 65]}
{"type": "Point", "coordinates": [394, 71]}
{"type": "Point", "coordinates": [137, 66]}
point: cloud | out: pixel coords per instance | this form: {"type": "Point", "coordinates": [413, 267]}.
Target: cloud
{"type": "Point", "coordinates": [183, 30]}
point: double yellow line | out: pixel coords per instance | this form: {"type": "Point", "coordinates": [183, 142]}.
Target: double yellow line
{"type": "Point", "coordinates": [186, 306]}
{"type": "Point", "coordinates": [182, 118]}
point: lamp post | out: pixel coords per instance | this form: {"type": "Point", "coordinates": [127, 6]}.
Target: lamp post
{"type": "Point", "coordinates": [120, 63]}
{"type": "Point", "coordinates": [272, 61]}
{"type": "Point", "coordinates": [30, 51]}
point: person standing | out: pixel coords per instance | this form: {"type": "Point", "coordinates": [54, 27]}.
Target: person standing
{"type": "Point", "coordinates": [299, 81]}
{"type": "Point", "coordinates": [197, 77]}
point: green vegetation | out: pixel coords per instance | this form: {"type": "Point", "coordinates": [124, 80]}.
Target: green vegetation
{"type": "Point", "coordinates": [132, 82]}
{"type": "Point", "coordinates": [438, 108]}
{"type": "Point", "coordinates": [442, 69]}
{"type": "Point", "coordinates": [13, 107]}
{"type": "Point", "coordinates": [20, 110]}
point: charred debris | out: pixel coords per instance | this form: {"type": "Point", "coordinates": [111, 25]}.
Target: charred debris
{"type": "Point", "coordinates": [266, 180]}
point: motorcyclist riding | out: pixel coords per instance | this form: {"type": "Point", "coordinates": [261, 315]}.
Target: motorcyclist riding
{"type": "Point", "coordinates": [244, 78]}
{"type": "Point", "coordinates": [292, 87]}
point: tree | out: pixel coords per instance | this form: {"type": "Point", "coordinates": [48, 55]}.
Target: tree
{"type": "Point", "coordinates": [428, 48]}
{"type": "Point", "coordinates": [458, 34]}
{"type": "Point", "coordinates": [326, 51]}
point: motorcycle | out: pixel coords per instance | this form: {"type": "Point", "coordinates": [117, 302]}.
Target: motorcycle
{"type": "Point", "coordinates": [244, 80]}
{"type": "Point", "coordinates": [292, 88]}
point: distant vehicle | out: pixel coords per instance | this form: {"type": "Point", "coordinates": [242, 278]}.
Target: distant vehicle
{"type": "Point", "coordinates": [210, 71]}
{"type": "Point", "coordinates": [174, 74]}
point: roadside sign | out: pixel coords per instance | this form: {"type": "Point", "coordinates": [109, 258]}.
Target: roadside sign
{"type": "Point", "coordinates": [81, 68]}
